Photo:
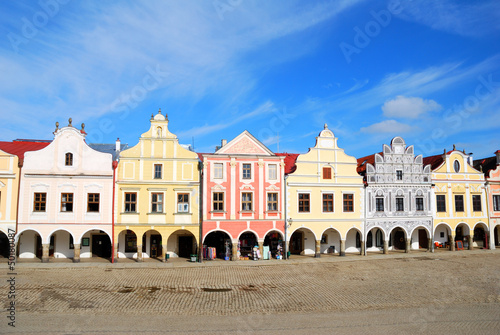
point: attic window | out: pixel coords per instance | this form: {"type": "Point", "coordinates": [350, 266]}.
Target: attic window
{"type": "Point", "coordinates": [327, 172]}
{"type": "Point", "coordinates": [456, 166]}
{"type": "Point", "coordinates": [68, 161]}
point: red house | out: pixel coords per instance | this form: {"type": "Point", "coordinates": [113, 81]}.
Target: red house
{"type": "Point", "coordinates": [242, 200]}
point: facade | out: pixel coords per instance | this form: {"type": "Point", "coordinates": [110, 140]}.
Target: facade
{"type": "Point", "coordinates": [491, 168]}
{"type": "Point", "coordinates": [157, 197]}
{"type": "Point", "coordinates": [460, 209]}
{"type": "Point", "coordinates": [9, 181]}
{"type": "Point", "coordinates": [242, 200]}
{"type": "Point", "coordinates": [325, 201]}
{"type": "Point", "coordinates": [65, 199]}
{"type": "Point", "coordinates": [398, 199]}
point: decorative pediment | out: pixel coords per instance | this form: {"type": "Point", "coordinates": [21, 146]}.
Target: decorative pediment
{"type": "Point", "coordinates": [246, 187]}
{"type": "Point", "coordinates": [218, 187]}
{"type": "Point", "coordinates": [272, 188]}
{"type": "Point", "coordinates": [245, 144]}
{"type": "Point", "coordinates": [458, 189]}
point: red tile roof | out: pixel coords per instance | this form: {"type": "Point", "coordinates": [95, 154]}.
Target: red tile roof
{"type": "Point", "coordinates": [365, 160]}
{"type": "Point", "coordinates": [290, 160]}
{"type": "Point", "coordinates": [19, 147]}
{"type": "Point", "coordinates": [486, 164]}
{"type": "Point", "coordinates": [435, 161]}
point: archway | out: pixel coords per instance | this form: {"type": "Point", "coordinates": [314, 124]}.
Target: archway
{"type": "Point", "coordinates": [217, 244]}
{"type": "Point", "coordinates": [95, 243]}
{"type": "Point", "coordinates": [420, 238]}
{"type": "Point", "coordinates": [61, 244]}
{"type": "Point", "coordinates": [246, 243]}
{"type": "Point", "coordinates": [127, 244]}
{"type": "Point", "coordinates": [4, 245]}
{"type": "Point", "coordinates": [151, 244]}
{"type": "Point", "coordinates": [353, 241]}
{"type": "Point", "coordinates": [330, 242]}
{"type": "Point", "coordinates": [30, 244]}
{"type": "Point", "coordinates": [273, 245]}
{"type": "Point", "coordinates": [375, 240]}
{"type": "Point", "coordinates": [181, 243]}
{"type": "Point", "coordinates": [397, 239]}
{"type": "Point", "coordinates": [480, 237]}
{"type": "Point", "coordinates": [462, 234]}
{"type": "Point", "coordinates": [442, 236]}
{"type": "Point", "coordinates": [302, 242]}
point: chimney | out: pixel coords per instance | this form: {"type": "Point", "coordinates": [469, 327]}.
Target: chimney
{"type": "Point", "coordinates": [470, 159]}
{"type": "Point", "coordinates": [498, 156]}
{"type": "Point", "coordinates": [223, 143]}
{"type": "Point", "coordinates": [118, 145]}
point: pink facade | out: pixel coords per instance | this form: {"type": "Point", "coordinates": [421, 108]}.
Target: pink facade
{"type": "Point", "coordinates": [242, 196]}
{"type": "Point", "coordinates": [493, 188]}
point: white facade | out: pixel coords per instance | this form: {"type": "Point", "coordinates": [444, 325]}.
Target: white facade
{"type": "Point", "coordinates": [398, 199]}
{"type": "Point", "coordinates": [65, 196]}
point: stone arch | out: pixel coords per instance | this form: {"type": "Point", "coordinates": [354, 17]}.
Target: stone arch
{"type": "Point", "coordinates": [181, 243]}
{"type": "Point", "coordinates": [126, 244]}
{"type": "Point", "coordinates": [420, 237]}
{"type": "Point", "coordinates": [29, 243]}
{"type": "Point", "coordinates": [62, 245]}
{"type": "Point", "coordinates": [221, 242]}
{"type": "Point", "coordinates": [353, 240]}
{"type": "Point", "coordinates": [302, 241]}
{"type": "Point", "coordinates": [397, 241]}
{"type": "Point", "coordinates": [330, 245]}
{"type": "Point", "coordinates": [152, 241]}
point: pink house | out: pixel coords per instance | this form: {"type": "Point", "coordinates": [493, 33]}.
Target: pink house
{"type": "Point", "coordinates": [242, 200]}
{"type": "Point", "coordinates": [491, 168]}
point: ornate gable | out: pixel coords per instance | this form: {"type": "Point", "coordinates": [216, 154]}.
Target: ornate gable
{"type": "Point", "coordinates": [245, 144]}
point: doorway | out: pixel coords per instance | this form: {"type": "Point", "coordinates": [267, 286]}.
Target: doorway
{"type": "Point", "coordinates": [101, 246]}
{"type": "Point", "coordinates": [296, 243]}
{"type": "Point", "coordinates": [423, 241]}
{"type": "Point", "coordinates": [155, 246]}
{"type": "Point", "coordinates": [185, 246]}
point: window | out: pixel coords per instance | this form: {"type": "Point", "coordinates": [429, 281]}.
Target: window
{"type": "Point", "coordinates": [476, 203]}
{"type": "Point", "coordinates": [68, 160]}
{"type": "Point", "coordinates": [130, 241]}
{"type": "Point", "coordinates": [441, 202]}
{"type": "Point", "coordinates": [272, 171]}
{"type": "Point", "coordinates": [456, 166]}
{"type": "Point", "coordinates": [246, 201]}
{"type": "Point", "coordinates": [272, 201]}
{"type": "Point", "coordinates": [304, 202]}
{"type": "Point", "coordinates": [157, 171]}
{"type": "Point", "coordinates": [247, 171]}
{"type": "Point", "coordinates": [327, 172]}
{"type": "Point", "coordinates": [218, 170]}
{"type": "Point", "coordinates": [379, 204]}
{"type": "Point", "coordinates": [496, 202]}
{"type": "Point", "coordinates": [66, 202]}
{"type": "Point", "coordinates": [183, 202]}
{"type": "Point", "coordinates": [157, 202]}
{"type": "Point", "coordinates": [400, 204]}
{"type": "Point", "coordinates": [328, 203]}
{"type": "Point", "coordinates": [130, 202]}
{"type": "Point", "coordinates": [419, 202]}
{"type": "Point", "coordinates": [459, 203]}
{"type": "Point", "coordinates": [399, 174]}
{"type": "Point", "coordinates": [93, 202]}
{"type": "Point", "coordinates": [348, 202]}
{"type": "Point", "coordinates": [40, 201]}
{"type": "Point", "coordinates": [218, 201]}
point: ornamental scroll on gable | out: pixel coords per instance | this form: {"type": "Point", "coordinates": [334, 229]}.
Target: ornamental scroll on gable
{"type": "Point", "coordinates": [245, 144]}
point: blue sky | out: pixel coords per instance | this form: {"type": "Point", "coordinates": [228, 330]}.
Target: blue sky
{"type": "Point", "coordinates": [428, 71]}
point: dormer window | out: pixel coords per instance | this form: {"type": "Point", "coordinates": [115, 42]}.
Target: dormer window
{"type": "Point", "coordinates": [68, 161]}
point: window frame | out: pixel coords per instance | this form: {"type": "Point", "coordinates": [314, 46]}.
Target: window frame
{"type": "Point", "coordinates": [419, 204]}
{"type": "Point", "coordinates": [91, 200]}
{"type": "Point", "coordinates": [131, 203]}
{"type": "Point", "coordinates": [157, 203]}
{"type": "Point", "coordinates": [379, 201]}
{"type": "Point", "coordinates": [68, 159]}
{"type": "Point", "coordinates": [246, 199]}
{"type": "Point", "coordinates": [42, 202]}
{"type": "Point", "coordinates": [327, 172]}
{"type": "Point", "coordinates": [183, 198]}
{"type": "Point", "coordinates": [496, 202]}
{"type": "Point", "coordinates": [272, 175]}
{"type": "Point", "coordinates": [476, 204]}
{"type": "Point", "coordinates": [218, 167]}
{"type": "Point", "coordinates": [461, 202]}
{"type": "Point", "coordinates": [328, 200]}
{"type": "Point", "coordinates": [272, 201]}
{"type": "Point", "coordinates": [399, 174]}
{"type": "Point", "coordinates": [67, 203]}
{"type": "Point", "coordinates": [440, 203]}
{"type": "Point", "coordinates": [246, 171]}
{"type": "Point", "coordinates": [400, 204]}
{"type": "Point", "coordinates": [217, 202]}
{"type": "Point", "coordinates": [304, 202]}
{"type": "Point", "coordinates": [157, 174]}
{"type": "Point", "coordinates": [348, 203]}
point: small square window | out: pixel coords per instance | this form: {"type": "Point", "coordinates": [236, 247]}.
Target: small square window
{"type": "Point", "coordinates": [247, 171]}
{"type": "Point", "coordinates": [273, 171]}
{"type": "Point", "coordinates": [66, 202]}
{"type": "Point", "coordinates": [158, 169]}
{"type": "Point", "coordinates": [399, 174]}
{"type": "Point", "coordinates": [272, 201]}
{"type": "Point", "coordinates": [40, 202]}
{"type": "Point", "coordinates": [327, 172]}
{"type": "Point", "coordinates": [130, 202]}
{"type": "Point", "coordinates": [68, 159]}
{"type": "Point", "coordinates": [218, 202]}
{"type": "Point", "coordinates": [246, 201]}
{"type": "Point", "coordinates": [218, 170]}
{"type": "Point", "coordinates": [328, 203]}
{"type": "Point", "coordinates": [157, 202]}
{"type": "Point", "coordinates": [93, 202]}
{"type": "Point", "coordinates": [304, 202]}
{"type": "Point", "coordinates": [183, 203]}
{"type": "Point", "coordinates": [348, 202]}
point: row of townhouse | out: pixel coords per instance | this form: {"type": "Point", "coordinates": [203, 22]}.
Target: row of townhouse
{"type": "Point", "coordinates": [158, 199]}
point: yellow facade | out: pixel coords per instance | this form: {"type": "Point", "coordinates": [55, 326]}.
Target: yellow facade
{"type": "Point", "coordinates": [460, 206]}
{"type": "Point", "coordinates": [9, 186]}
{"type": "Point", "coordinates": [326, 178]}
{"type": "Point", "coordinates": [157, 196]}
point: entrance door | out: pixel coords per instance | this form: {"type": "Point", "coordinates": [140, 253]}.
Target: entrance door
{"type": "Point", "coordinates": [101, 246]}
{"type": "Point", "coordinates": [423, 242]}
{"type": "Point", "coordinates": [296, 243]}
{"type": "Point", "coordinates": [399, 240]}
{"type": "Point", "coordinates": [155, 249]}
{"type": "Point", "coordinates": [185, 246]}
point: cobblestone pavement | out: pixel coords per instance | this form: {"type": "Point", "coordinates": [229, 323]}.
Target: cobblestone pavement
{"type": "Point", "coordinates": [457, 291]}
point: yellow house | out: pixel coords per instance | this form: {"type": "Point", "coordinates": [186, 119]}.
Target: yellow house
{"type": "Point", "coordinates": [459, 201]}
{"type": "Point", "coordinates": [9, 187]}
{"type": "Point", "coordinates": [325, 202]}
{"type": "Point", "coordinates": [157, 197]}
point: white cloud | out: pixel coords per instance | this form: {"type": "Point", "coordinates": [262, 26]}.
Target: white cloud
{"type": "Point", "coordinates": [409, 107]}
{"type": "Point", "coordinates": [387, 127]}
